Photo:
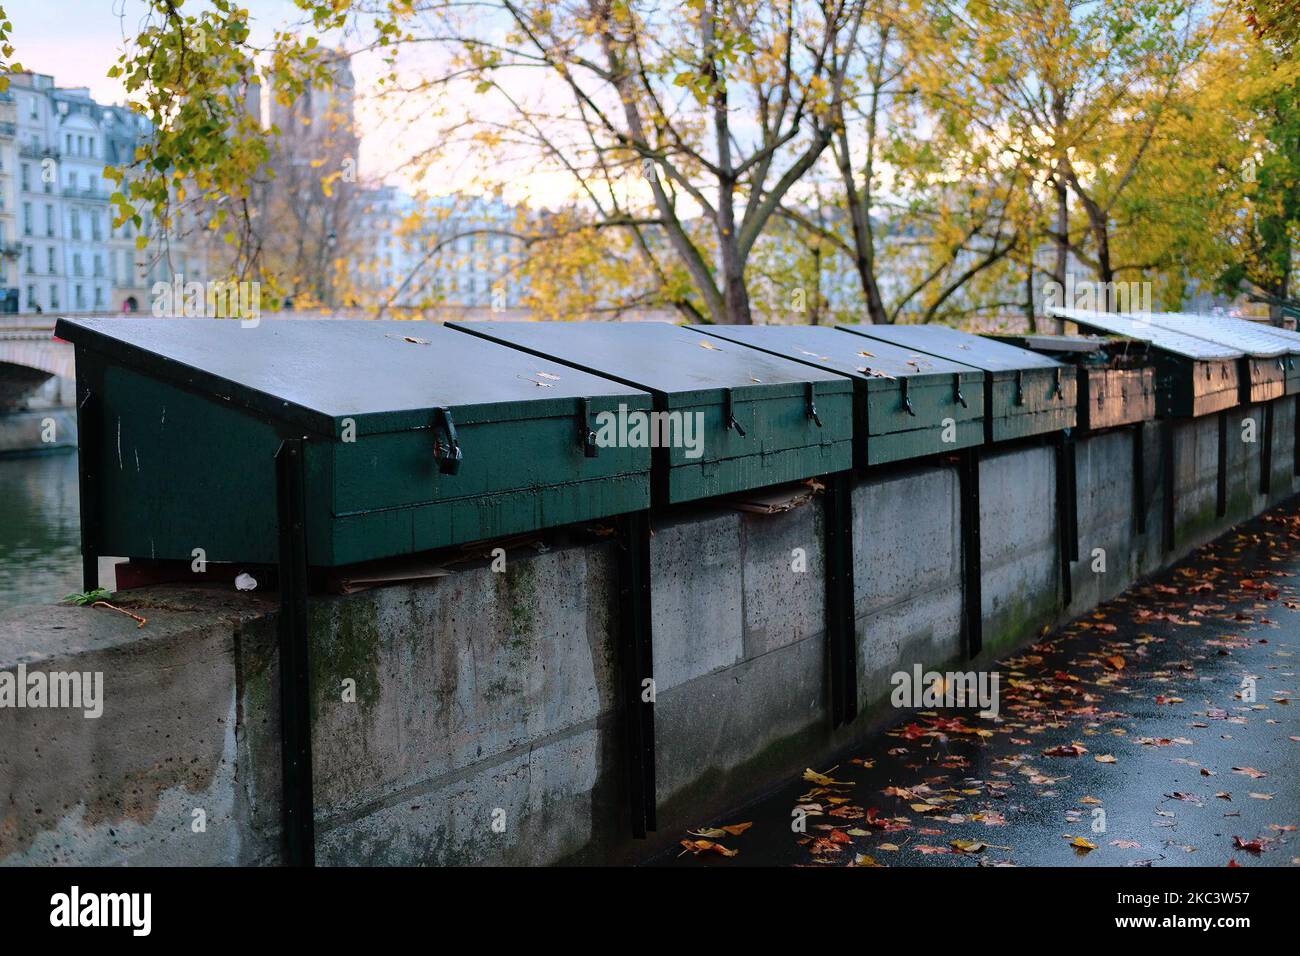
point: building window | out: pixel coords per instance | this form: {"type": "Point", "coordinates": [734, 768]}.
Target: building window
{"type": "Point", "coordinates": [99, 264]}
{"type": "Point", "coordinates": [49, 219]}
{"type": "Point", "coordinates": [99, 298]}
{"type": "Point", "coordinates": [31, 264]}
{"type": "Point", "coordinates": [49, 259]}
{"type": "Point", "coordinates": [76, 267]}
{"type": "Point", "coordinates": [80, 297]}
{"type": "Point", "coordinates": [25, 172]}
{"type": "Point", "coordinates": [31, 298]}
{"type": "Point", "coordinates": [95, 232]}
{"type": "Point", "coordinates": [27, 219]}
{"type": "Point", "coordinates": [75, 219]}
{"type": "Point", "coordinates": [54, 297]}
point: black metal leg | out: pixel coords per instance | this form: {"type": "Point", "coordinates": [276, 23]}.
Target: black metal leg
{"type": "Point", "coordinates": [1221, 485]}
{"type": "Point", "coordinates": [636, 652]}
{"type": "Point", "coordinates": [1140, 478]}
{"type": "Point", "coordinates": [1170, 472]}
{"type": "Point", "coordinates": [89, 441]}
{"type": "Point", "coordinates": [1266, 452]}
{"type": "Point", "coordinates": [1066, 532]}
{"type": "Point", "coordinates": [295, 672]}
{"type": "Point", "coordinates": [841, 630]}
{"type": "Point", "coordinates": [1295, 437]}
{"type": "Point", "coordinates": [968, 474]}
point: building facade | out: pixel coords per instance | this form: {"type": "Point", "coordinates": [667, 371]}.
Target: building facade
{"type": "Point", "coordinates": [448, 250]}
{"type": "Point", "coordinates": [65, 254]}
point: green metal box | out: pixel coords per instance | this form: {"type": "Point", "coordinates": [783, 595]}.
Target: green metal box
{"type": "Point", "coordinates": [904, 405]}
{"type": "Point", "coordinates": [1194, 376]}
{"type": "Point", "coordinates": [1117, 384]}
{"type": "Point", "coordinates": [418, 437]}
{"type": "Point", "coordinates": [1024, 393]}
{"type": "Point", "coordinates": [757, 419]}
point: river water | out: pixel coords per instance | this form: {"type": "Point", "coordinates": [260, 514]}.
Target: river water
{"type": "Point", "coordinates": [40, 533]}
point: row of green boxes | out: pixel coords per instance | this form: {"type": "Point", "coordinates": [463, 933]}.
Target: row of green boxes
{"type": "Point", "coordinates": [423, 436]}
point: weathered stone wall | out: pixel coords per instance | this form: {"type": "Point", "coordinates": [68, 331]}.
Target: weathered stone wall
{"type": "Point", "coordinates": [487, 698]}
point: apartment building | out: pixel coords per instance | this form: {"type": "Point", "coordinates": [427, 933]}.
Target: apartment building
{"type": "Point", "coordinates": [65, 255]}
{"type": "Point", "coordinates": [447, 250]}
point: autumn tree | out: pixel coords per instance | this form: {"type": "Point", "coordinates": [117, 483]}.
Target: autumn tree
{"type": "Point", "coordinates": [685, 125]}
{"type": "Point", "coordinates": [1077, 91]}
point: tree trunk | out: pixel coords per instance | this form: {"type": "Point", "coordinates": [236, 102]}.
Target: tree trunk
{"type": "Point", "coordinates": [1062, 195]}
{"type": "Point", "coordinates": [1030, 317]}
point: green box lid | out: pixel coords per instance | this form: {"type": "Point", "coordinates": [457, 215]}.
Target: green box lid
{"type": "Point", "coordinates": [681, 364]}
{"type": "Point", "coordinates": [958, 346]}
{"type": "Point", "coordinates": [824, 347]}
{"type": "Point", "coordinates": [314, 373]}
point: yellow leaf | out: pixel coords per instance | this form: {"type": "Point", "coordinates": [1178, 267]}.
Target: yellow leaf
{"type": "Point", "coordinates": [812, 776]}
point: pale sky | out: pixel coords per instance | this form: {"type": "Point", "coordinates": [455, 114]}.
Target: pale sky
{"type": "Point", "coordinates": [77, 41]}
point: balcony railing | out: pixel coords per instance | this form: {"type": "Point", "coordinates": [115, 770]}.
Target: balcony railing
{"type": "Point", "coordinates": [97, 195]}
{"type": "Point", "coordinates": [28, 151]}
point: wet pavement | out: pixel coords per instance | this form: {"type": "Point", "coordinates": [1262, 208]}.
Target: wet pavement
{"type": "Point", "coordinates": [1161, 729]}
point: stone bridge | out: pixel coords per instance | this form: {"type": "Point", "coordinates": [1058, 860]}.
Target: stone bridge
{"type": "Point", "coordinates": [33, 363]}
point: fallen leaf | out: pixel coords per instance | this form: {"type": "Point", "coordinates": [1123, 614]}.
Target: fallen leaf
{"type": "Point", "coordinates": [1250, 772]}
{"type": "Point", "coordinates": [707, 846]}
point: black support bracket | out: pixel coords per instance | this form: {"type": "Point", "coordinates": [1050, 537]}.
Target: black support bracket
{"type": "Point", "coordinates": [1140, 478]}
{"type": "Point", "coordinates": [1266, 453]}
{"type": "Point", "coordinates": [1295, 437]}
{"type": "Point", "coordinates": [636, 656]}
{"type": "Point", "coordinates": [89, 440]}
{"type": "Point", "coordinates": [968, 478]}
{"type": "Point", "coordinates": [1067, 512]}
{"type": "Point", "coordinates": [841, 631]}
{"type": "Point", "coordinates": [1169, 471]}
{"type": "Point", "coordinates": [1221, 483]}
{"type": "Point", "coordinates": [295, 669]}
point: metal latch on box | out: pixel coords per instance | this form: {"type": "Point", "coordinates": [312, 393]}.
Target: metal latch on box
{"type": "Point", "coordinates": [446, 446]}
{"type": "Point", "coordinates": [586, 434]}
{"type": "Point", "coordinates": [729, 412]}
{"type": "Point", "coordinates": [812, 404]}
{"type": "Point", "coordinates": [907, 400]}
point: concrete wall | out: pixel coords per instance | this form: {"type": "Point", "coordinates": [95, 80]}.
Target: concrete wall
{"type": "Point", "coordinates": [484, 725]}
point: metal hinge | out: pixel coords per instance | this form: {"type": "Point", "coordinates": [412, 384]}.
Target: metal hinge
{"type": "Point", "coordinates": [446, 446]}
